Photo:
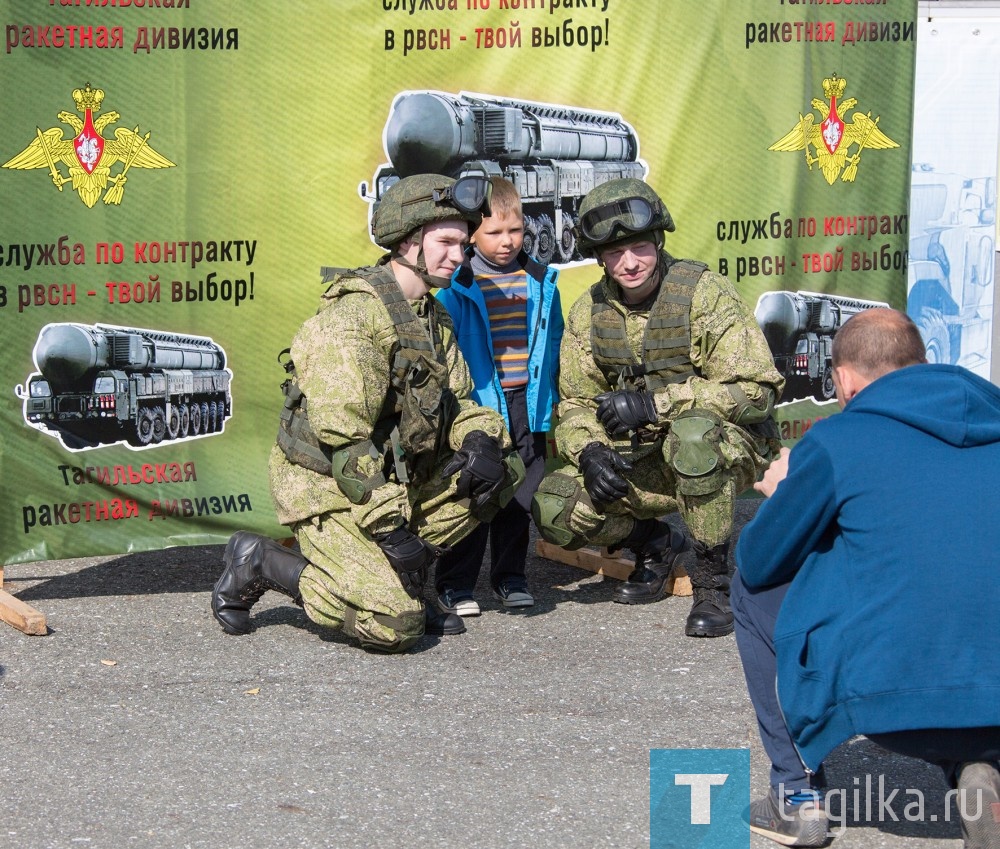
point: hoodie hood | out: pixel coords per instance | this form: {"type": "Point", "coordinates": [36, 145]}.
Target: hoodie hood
{"type": "Point", "coordinates": [948, 402]}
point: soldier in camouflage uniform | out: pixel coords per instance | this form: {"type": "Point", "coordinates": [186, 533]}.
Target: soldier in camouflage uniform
{"type": "Point", "coordinates": [376, 424]}
{"type": "Point", "coordinates": [668, 388]}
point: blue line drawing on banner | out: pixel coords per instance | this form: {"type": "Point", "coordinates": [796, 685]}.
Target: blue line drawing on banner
{"type": "Point", "coordinates": [950, 281]}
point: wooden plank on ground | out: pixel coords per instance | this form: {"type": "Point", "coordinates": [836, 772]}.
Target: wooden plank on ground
{"type": "Point", "coordinates": [602, 563]}
{"type": "Point", "coordinates": [25, 618]}
{"type": "Point", "coordinates": [679, 583]}
{"type": "Point", "coordinates": [587, 558]}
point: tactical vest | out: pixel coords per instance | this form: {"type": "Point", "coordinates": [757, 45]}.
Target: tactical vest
{"type": "Point", "coordinates": [419, 408]}
{"type": "Point", "coordinates": [666, 342]}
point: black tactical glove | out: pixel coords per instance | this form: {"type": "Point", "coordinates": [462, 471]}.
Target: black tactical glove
{"type": "Point", "coordinates": [481, 464]}
{"type": "Point", "coordinates": [409, 555]}
{"type": "Point", "coordinates": [624, 410]}
{"type": "Point", "coordinates": [601, 466]}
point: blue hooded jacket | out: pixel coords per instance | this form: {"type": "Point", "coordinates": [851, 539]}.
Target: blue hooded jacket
{"type": "Point", "coordinates": [888, 528]}
{"type": "Point", "coordinates": [467, 307]}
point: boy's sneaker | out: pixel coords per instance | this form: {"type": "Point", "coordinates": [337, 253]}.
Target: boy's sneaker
{"type": "Point", "coordinates": [514, 593]}
{"type": "Point", "coordinates": [459, 602]}
{"type": "Point", "coordinates": [979, 804]}
{"type": "Point", "coordinates": [791, 824]}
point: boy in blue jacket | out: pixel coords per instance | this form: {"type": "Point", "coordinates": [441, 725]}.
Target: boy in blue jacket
{"type": "Point", "coordinates": [509, 325]}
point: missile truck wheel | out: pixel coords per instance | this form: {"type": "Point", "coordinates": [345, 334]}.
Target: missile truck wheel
{"type": "Point", "coordinates": [185, 420]}
{"type": "Point", "coordinates": [159, 424]}
{"type": "Point", "coordinates": [195, 419]}
{"type": "Point", "coordinates": [206, 424]}
{"type": "Point", "coordinates": [566, 246]}
{"type": "Point", "coordinates": [937, 340]}
{"type": "Point", "coordinates": [530, 244]}
{"type": "Point", "coordinates": [144, 426]}
{"type": "Point", "coordinates": [546, 247]}
{"type": "Point", "coordinates": [213, 417]}
{"type": "Point", "coordinates": [826, 390]}
{"type": "Point", "coordinates": [174, 422]}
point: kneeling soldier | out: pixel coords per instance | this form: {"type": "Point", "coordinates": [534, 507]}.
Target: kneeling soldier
{"type": "Point", "coordinates": [381, 461]}
{"type": "Point", "coordinates": [668, 388]}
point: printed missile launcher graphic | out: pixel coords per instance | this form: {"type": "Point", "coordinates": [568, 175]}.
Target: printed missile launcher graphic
{"type": "Point", "coordinates": [553, 154]}
{"type": "Point", "coordinates": [799, 328]}
{"type": "Point", "coordinates": [102, 384]}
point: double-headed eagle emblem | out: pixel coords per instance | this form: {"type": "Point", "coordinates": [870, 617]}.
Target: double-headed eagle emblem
{"type": "Point", "coordinates": [88, 155]}
{"type": "Point", "coordinates": [829, 143]}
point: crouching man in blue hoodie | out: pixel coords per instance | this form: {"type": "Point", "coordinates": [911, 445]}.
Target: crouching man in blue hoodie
{"type": "Point", "coordinates": [866, 597]}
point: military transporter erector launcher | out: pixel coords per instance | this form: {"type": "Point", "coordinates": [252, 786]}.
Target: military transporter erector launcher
{"type": "Point", "coordinates": [102, 384]}
{"type": "Point", "coordinates": [553, 154]}
{"type": "Point", "coordinates": [799, 328]}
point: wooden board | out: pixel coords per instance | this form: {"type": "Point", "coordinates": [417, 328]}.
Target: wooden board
{"type": "Point", "coordinates": [25, 618]}
{"type": "Point", "coordinates": [599, 561]}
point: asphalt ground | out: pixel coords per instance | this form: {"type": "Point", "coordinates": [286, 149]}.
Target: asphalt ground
{"type": "Point", "coordinates": [136, 722]}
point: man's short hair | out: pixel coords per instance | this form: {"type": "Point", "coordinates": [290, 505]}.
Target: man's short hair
{"type": "Point", "coordinates": [505, 199]}
{"type": "Point", "coordinates": [877, 341]}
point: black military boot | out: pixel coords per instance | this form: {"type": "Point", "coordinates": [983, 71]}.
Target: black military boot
{"type": "Point", "coordinates": [656, 545]}
{"type": "Point", "coordinates": [711, 615]}
{"type": "Point", "coordinates": [254, 564]}
{"type": "Point", "coordinates": [440, 624]}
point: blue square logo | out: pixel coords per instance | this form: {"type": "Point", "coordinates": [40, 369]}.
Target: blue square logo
{"type": "Point", "coordinates": [697, 798]}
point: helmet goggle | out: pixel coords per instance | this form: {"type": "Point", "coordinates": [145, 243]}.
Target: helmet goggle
{"type": "Point", "coordinates": [467, 194]}
{"type": "Point", "coordinates": [617, 219]}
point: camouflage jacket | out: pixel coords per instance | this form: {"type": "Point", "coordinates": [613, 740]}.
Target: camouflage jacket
{"type": "Point", "coordinates": [727, 350]}
{"type": "Point", "coordinates": [343, 357]}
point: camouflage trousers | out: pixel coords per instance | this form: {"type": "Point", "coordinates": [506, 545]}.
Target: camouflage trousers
{"type": "Point", "coordinates": [349, 585]}
{"type": "Point", "coordinates": [656, 489]}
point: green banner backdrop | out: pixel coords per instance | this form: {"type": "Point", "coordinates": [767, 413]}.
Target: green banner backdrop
{"type": "Point", "coordinates": [174, 175]}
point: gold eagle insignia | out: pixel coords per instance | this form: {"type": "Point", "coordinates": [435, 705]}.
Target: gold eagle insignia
{"type": "Point", "coordinates": [88, 156]}
{"type": "Point", "coordinates": [829, 143]}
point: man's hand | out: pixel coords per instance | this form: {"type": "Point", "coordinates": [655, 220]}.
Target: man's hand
{"type": "Point", "coordinates": [774, 475]}
{"type": "Point", "coordinates": [482, 471]}
{"type": "Point", "coordinates": [602, 470]}
{"type": "Point", "coordinates": [625, 410]}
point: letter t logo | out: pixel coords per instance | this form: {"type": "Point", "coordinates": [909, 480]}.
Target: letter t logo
{"type": "Point", "coordinates": [701, 793]}
{"type": "Point", "coordinates": [696, 797]}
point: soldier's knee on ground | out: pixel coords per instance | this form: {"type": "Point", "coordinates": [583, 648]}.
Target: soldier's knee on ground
{"type": "Point", "coordinates": [693, 452]}
{"type": "Point", "coordinates": [551, 507]}
{"type": "Point", "coordinates": [385, 633]}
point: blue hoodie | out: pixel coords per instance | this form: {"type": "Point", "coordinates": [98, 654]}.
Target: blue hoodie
{"type": "Point", "coordinates": [888, 527]}
{"type": "Point", "coordinates": [467, 307]}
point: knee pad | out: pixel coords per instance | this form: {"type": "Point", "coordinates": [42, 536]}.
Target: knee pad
{"type": "Point", "coordinates": [551, 506]}
{"type": "Point", "coordinates": [693, 452]}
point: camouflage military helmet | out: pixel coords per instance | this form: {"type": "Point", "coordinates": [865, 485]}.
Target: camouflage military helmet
{"type": "Point", "coordinates": [424, 198]}
{"type": "Point", "coordinates": [617, 210]}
